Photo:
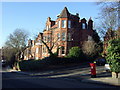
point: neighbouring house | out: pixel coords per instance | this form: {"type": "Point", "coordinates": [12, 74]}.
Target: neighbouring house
{"type": "Point", "coordinates": [66, 31]}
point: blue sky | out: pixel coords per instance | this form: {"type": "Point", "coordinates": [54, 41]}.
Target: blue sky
{"type": "Point", "coordinates": [32, 16]}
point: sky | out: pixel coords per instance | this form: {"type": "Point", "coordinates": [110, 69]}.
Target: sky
{"type": "Point", "coordinates": [32, 16]}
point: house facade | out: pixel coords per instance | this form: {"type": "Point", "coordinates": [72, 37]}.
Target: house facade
{"type": "Point", "coordinates": [66, 31]}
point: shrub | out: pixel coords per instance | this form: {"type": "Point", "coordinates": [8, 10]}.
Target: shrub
{"type": "Point", "coordinates": [75, 52]}
{"type": "Point", "coordinates": [31, 65]}
{"type": "Point", "coordinates": [113, 55]}
{"type": "Point", "coordinates": [59, 60]}
{"type": "Point", "coordinates": [37, 65]}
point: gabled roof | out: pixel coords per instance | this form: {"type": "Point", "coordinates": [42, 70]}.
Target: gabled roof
{"type": "Point", "coordinates": [65, 13]}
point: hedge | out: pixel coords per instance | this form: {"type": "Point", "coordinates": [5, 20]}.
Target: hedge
{"type": "Point", "coordinates": [35, 65]}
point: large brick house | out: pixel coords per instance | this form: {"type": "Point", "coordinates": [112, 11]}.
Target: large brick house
{"type": "Point", "coordinates": [66, 31]}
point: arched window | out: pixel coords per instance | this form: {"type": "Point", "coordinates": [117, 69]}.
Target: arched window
{"type": "Point", "coordinates": [83, 25]}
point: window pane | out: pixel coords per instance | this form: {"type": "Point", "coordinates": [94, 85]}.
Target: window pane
{"type": "Point", "coordinates": [83, 25]}
{"type": "Point", "coordinates": [63, 23]}
{"type": "Point", "coordinates": [69, 24]}
{"type": "Point", "coordinates": [44, 49]}
{"type": "Point", "coordinates": [69, 37]}
{"type": "Point", "coordinates": [63, 36]}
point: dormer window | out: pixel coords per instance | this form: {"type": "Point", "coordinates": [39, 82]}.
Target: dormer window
{"type": "Point", "coordinates": [63, 23]}
{"type": "Point", "coordinates": [83, 25]}
{"type": "Point", "coordinates": [69, 24]}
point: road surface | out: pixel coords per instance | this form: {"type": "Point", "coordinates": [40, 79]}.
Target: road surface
{"type": "Point", "coordinates": [18, 80]}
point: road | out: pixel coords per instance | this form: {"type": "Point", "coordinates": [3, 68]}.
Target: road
{"type": "Point", "coordinates": [18, 80]}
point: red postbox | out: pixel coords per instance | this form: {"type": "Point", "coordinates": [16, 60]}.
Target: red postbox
{"type": "Point", "coordinates": [93, 70]}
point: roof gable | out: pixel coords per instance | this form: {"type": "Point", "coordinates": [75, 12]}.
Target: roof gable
{"type": "Point", "coordinates": [65, 13]}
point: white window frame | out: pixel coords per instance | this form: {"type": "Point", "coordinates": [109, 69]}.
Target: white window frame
{"type": "Point", "coordinates": [59, 24]}
{"type": "Point", "coordinates": [37, 50]}
{"type": "Point", "coordinates": [47, 27]}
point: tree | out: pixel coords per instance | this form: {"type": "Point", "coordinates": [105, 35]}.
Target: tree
{"type": "Point", "coordinates": [9, 55]}
{"type": "Point", "coordinates": [109, 16]}
{"type": "Point", "coordinates": [75, 52]}
{"type": "Point", "coordinates": [52, 39]}
{"type": "Point", "coordinates": [90, 48]}
{"type": "Point", "coordinates": [15, 44]}
{"type": "Point", "coordinates": [113, 55]}
{"type": "Point", "coordinates": [17, 40]}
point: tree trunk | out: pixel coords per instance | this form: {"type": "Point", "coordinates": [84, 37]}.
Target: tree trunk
{"type": "Point", "coordinates": [116, 75]}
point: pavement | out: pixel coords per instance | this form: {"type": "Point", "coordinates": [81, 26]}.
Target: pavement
{"type": "Point", "coordinates": [102, 77]}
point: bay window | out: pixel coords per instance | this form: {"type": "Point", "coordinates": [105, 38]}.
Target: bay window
{"type": "Point", "coordinates": [63, 23]}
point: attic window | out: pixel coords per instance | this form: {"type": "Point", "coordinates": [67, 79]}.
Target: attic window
{"type": "Point", "coordinates": [83, 25]}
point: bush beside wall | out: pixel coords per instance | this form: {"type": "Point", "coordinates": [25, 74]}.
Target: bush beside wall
{"type": "Point", "coordinates": [35, 65]}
